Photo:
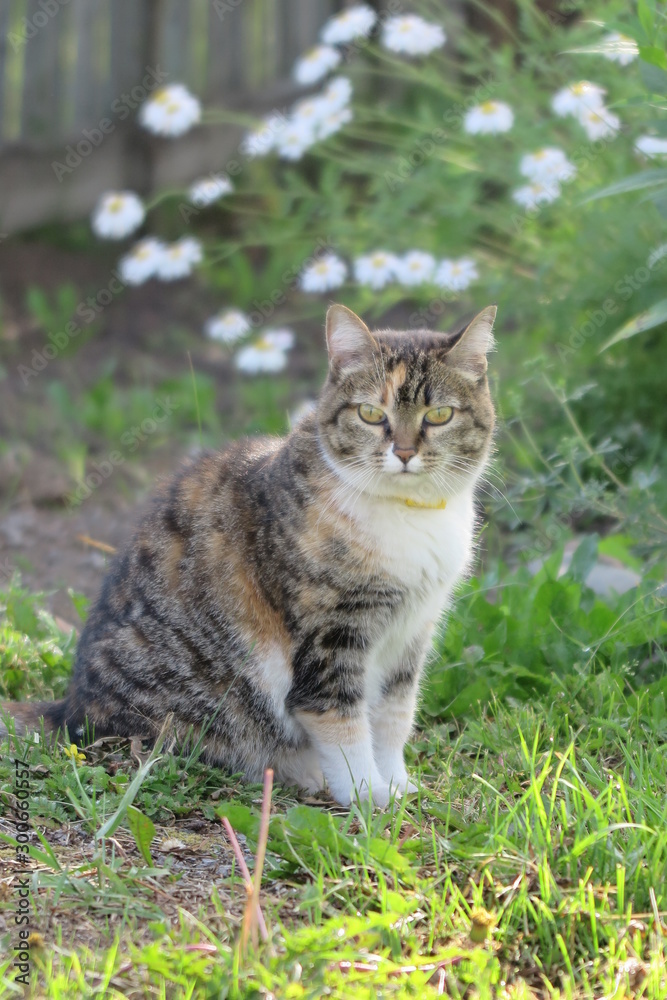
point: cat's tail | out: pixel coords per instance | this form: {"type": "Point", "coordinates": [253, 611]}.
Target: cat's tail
{"type": "Point", "coordinates": [30, 716]}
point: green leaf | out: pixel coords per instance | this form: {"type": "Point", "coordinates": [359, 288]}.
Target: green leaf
{"type": "Point", "coordinates": [114, 821]}
{"type": "Point", "coordinates": [655, 316]}
{"type": "Point", "coordinates": [584, 558]}
{"type": "Point", "coordinates": [80, 602]}
{"type": "Point", "coordinates": [645, 17]}
{"type": "Point", "coordinates": [654, 79]}
{"type": "Point", "coordinates": [143, 831]}
{"type": "Point", "coordinates": [653, 55]}
{"type": "Point", "coordinates": [637, 182]}
{"type": "Point", "coordinates": [618, 547]}
{"type": "Point", "coordinates": [243, 819]}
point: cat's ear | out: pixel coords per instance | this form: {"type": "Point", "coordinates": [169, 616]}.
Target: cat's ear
{"type": "Point", "coordinates": [474, 343]}
{"type": "Point", "coordinates": [349, 340]}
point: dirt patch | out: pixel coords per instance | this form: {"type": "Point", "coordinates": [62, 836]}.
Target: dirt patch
{"type": "Point", "coordinates": [138, 342]}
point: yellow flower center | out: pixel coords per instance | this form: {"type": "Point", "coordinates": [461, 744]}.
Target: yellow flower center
{"type": "Point", "coordinates": [579, 88]}
{"type": "Point", "coordinates": [488, 107]}
{"type": "Point", "coordinates": [379, 260]}
{"type": "Point", "coordinates": [322, 268]}
{"type": "Point", "coordinates": [264, 345]}
{"type": "Point", "coordinates": [115, 204]}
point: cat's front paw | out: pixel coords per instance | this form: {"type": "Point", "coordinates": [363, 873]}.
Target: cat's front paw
{"type": "Point", "coordinates": [405, 787]}
{"type": "Point", "coordinates": [379, 792]}
{"type": "Point", "coordinates": [347, 792]}
{"type": "Point", "coordinates": [393, 771]}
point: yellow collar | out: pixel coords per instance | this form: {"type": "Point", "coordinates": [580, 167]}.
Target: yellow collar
{"type": "Point", "coordinates": [439, 505]}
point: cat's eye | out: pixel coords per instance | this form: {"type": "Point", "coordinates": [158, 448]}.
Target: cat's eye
{"type": "Point", "coordinates": [371, 414]}
{"type": "Point", "coordinates": [439, 415]}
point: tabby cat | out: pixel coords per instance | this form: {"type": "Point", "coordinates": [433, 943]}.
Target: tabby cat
{"type": "Point", "coordinates": [280, 596]}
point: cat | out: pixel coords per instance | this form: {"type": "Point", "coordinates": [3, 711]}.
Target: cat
{"type": "Point", "coordinates": [280, 597]}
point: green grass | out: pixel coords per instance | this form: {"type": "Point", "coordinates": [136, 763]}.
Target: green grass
{"type": "Point", "coordinates": [543, 803]}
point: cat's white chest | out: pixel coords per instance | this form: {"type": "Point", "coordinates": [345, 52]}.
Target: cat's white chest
{"type": "Point", "coordinates": [426, 551]}
{"type": "Point", "coordinates": [425, 548]}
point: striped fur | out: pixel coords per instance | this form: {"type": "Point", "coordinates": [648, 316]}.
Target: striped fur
{"type": "Point", "coordinates": [281, 593]}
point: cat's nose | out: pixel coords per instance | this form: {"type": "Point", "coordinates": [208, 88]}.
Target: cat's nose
{"type": "Point", "coordinates": [405, 454]}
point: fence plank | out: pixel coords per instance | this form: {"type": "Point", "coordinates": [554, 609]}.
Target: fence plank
{"type": "Point", "coordinates": [4, 45]}
{"type": "Point", "coordinates": [41, 79]}
{"type": "Point", "coordinates": [299, 26]}
{"type": "Point", "coordinates": [226, 39]}
{"type": "Point", "coordinates": [90, 53]}
{"type": "Point", "coordinates": [91, 97]}
{"type": "Point", "coordinates": [175, 37]}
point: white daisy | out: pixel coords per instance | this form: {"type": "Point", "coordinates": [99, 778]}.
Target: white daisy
{"type": "Point", "coordinates": [578, 97]}
{"type": "Point", "coordinates": [209, 189]}
{"type": "Point", "coordinates": [297, 137]}
{"type": "Point", "coordinates": [412, 35]}
{"type": "Point", "coordinates": [326, 273]}
{"type": "Point", "coordinates": [227, 326]}
{"type": "Point", "coordinates": [620, 48]}
{"type": "Point", "coordinates": [315, 64]}
{"type": "Point", "coordinates": [337, 93]}
{"type": "Point", "coordinates": [415, 267]}
{"type": "Point", "coordinates": [537, 193]}
{"type": "Point", "coordinates": [547, 164]}
{"type": "Point", "coordinates": [178, 259]}
{"type": "Point", "coordinates": [355, 22]}
{"type": "Point", "coordinates": [489, 118]}
{"type": "Point", "coordinates": [333, 122]}
{"type": "Point", "coordinates": [141, 262]}
{"type": "Point", "coordinates": [599, 123]}
{"type": "Point", "coordinates": [261, 356]}
{"type": "Point", "coordinates": [262, 140]}
{"type": "Point", "coordinates": [171, 111]}
{"type": "Point", "coordinates": [309, 112]}
{"type": "Point", "coordinates": [281, 338]}
{"type": "Point", "coordinates": [118, 213]}
{"type": "Point", "coordinates": [651, 145]}
{"type": "Point", "coordinates": [455, 275]}
{"type": "Point", "coordinates": [375, 269]}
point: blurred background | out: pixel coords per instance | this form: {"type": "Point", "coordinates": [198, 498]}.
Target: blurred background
{"type": "Point", "coordinates": [330, 141]}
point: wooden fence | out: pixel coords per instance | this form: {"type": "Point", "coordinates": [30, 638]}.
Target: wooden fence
{"type": "Point", "coordinates": [66, 65]}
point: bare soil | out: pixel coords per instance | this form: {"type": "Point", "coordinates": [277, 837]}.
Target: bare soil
{"type": "Point", "coordinates": [143, 336]}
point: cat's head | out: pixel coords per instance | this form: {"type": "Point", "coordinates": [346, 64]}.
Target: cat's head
{"type": "Point", "coordinates": [406, 414]}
